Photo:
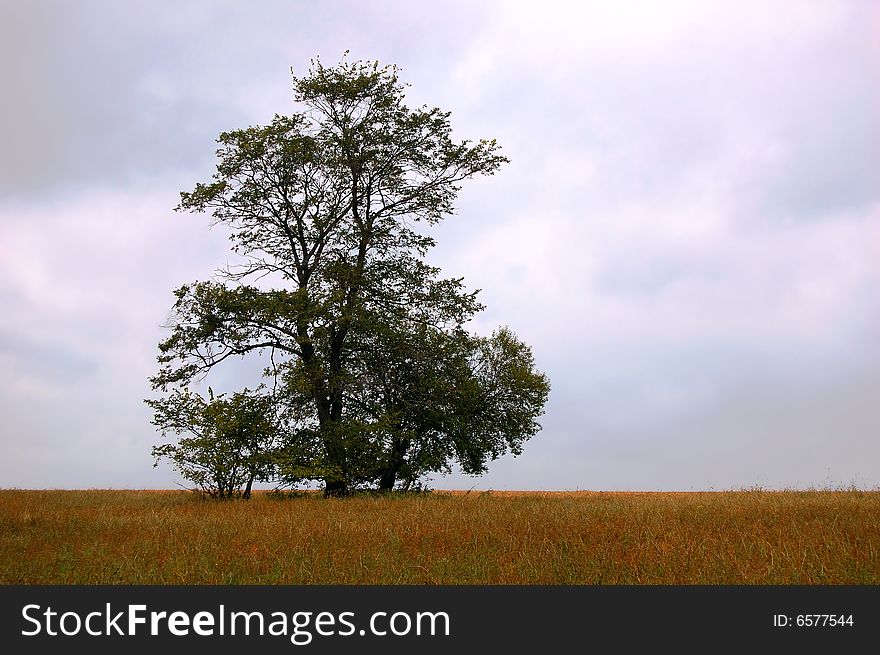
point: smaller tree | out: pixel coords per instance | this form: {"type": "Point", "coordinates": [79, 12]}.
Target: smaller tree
{"type": "Point", "coordinates": [435, 398]}
{"type": "Point", "coordinates": [229, 443]}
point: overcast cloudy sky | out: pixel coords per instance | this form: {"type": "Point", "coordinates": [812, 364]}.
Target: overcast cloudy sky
{"type": "Point", "coordinates": [688, 233]}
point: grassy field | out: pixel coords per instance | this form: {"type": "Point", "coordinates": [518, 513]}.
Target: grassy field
{"type": "Point", "coordinates": [147, 537]}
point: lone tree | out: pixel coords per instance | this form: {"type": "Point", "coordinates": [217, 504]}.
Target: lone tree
{"type": "Point", "coordinates": [379, 382]}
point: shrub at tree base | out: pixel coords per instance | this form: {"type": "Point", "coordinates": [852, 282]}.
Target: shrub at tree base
{"type": "Point", "coordinates": [230, 443]}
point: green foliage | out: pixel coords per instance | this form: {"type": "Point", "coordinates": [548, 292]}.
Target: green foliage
{"type": "Point", "coordinates": [376, 381]}
{"type": "Point", "coordinates": [229, 442]}
{"type": "Point", "coordinates": [441, 397]}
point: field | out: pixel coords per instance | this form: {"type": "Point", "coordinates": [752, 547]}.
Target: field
{"type": "Point", "coordinates": [149, 537]}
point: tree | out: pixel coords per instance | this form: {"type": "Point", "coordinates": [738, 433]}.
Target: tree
{"type": "Point", "coordinates": [230, 442]}
{"type": "Point", "coordinates": [437, 398]}
{"type": "Point", "coordinates": [325, 202]}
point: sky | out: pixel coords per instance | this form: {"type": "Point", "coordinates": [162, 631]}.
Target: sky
{"type": "Point", "coordinates": [687, 234]}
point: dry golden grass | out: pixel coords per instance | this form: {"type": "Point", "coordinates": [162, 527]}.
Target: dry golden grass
{"type": "Point", "coordinates": [137, 537]}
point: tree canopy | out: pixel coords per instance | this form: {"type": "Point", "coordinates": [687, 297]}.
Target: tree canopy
{"type": "Point", "coordinates": [377, 381]}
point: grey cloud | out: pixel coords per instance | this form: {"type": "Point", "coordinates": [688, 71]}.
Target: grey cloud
{"type": "Point", "coordinates": [786, 126]}
{"type": "Point", "coordinates": [640, 272]}
{"type": "Point", "coordinates": [44, 360]}
{"type": "Point", "coordinates": [80, 107]}
{"type": "Point", "coordinates": [109, 94]}
{"type": "Point", "coordinates": [794, 427]}
{"type": "Point", "coordinates": [835, 170]}
{"type": "Point", "coordinates": [683, 234]}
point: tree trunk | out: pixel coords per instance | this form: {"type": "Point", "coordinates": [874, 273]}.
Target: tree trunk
{"type": "Point", "coordinates": [336, 483]}
{"type": "Point", "coordinates": [389, 477]}
{"type": "Point", "coordinates": [335, 488]}
{"type": "Point", "coordinates": [247, 490]}
{"type": "Point", "coordinates": [324, 393]}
